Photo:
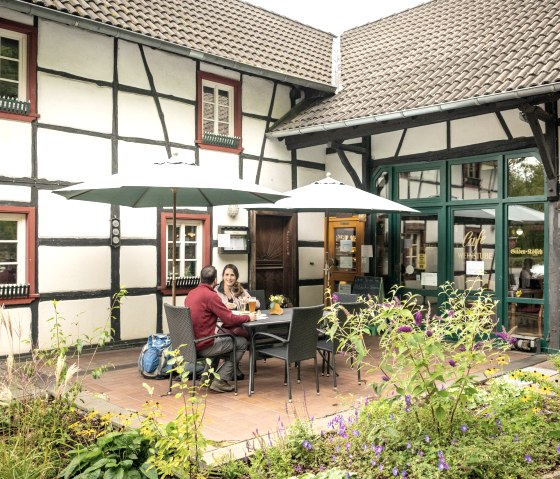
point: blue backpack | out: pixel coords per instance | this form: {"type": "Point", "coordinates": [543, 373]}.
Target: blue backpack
{"type": "Point", "coordinates": [152, 362]}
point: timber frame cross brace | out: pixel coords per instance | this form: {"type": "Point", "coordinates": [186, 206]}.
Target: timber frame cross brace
{"type": "Point", "coordinates": [546, 143]}
{"type": "Point", "coordinates": [340, 150]}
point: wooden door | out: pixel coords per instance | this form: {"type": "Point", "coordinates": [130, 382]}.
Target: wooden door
{"type": "Point", "coordinates": [274, 254]}
{"type": "Point", "coordinates": [346, 237]}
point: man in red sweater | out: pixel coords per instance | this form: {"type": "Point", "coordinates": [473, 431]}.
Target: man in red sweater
{"type": "Point", "coordinates": [206, 307]}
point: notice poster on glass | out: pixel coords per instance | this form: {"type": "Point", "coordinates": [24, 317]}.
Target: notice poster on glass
{"type": "Point", "coordinates": [345, 246]}
{"type": "Point", "coordinates": [474, 268]}
{"type": "Point", "coordinates": [428, 279]}
{"type": "Point", "coordinates": [345, 262]}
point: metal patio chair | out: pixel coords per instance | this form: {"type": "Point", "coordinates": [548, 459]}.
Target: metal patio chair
{"type": "Point", "coordinates": [301, 344]}
{"type": "Point", "coordinates": [182, 337]}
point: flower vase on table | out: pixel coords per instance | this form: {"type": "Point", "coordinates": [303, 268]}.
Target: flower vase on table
{"type": "Point", "coordinates": [275, 304]}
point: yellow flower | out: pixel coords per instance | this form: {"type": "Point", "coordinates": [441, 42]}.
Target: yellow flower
{"type": "Point", "coordinates": [491, 371]}
{"type": "Point", "coordinates": [518, 293]}
{"type": "Point", "coordinates": [536, 410]}
{"type": "Point", "coordinates": [525, 398]}
{"type": "Point", "coordinates": [502, 360]}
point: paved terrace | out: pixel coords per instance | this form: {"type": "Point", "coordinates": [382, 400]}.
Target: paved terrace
{"type": "Point", "coordinates": [230, 421]}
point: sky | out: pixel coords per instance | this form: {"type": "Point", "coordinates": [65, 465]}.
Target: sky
{"type": "Point", "coordinates": [336, 16]}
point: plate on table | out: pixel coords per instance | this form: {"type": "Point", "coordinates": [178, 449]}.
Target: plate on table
{"type": "Point", "coordinates": [262, 316]}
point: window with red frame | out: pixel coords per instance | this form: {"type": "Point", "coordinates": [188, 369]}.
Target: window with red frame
{"type": "Point", "coordinates": [192, 243]}
{"type": "Point", "coordinates": [18, 46]}
{"type": "Point", "coordinates": [219, 113]}
{"type": "Point", "coordinates": [17, 252]}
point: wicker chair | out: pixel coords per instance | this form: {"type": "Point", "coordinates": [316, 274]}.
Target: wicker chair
{"type": "Point", "coordinates": [182, 337]}
{"type": "Point", "coordinates": [328, 349]}
{"type": "Point", "coordinates": [301, 344]}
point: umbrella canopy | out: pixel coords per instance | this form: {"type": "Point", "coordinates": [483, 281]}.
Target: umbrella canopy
{"type": "Point", "coordinates": [170, 185]}
{"type": "Point", "coordinates": [329, 195]}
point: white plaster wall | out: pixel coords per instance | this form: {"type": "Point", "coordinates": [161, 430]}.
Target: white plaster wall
{"type": "Point", "coordinates": [71, 157]}
{"type": "Point", "coordinates": [179, 120]}
{"type": "Point", "coordinates": [133, 156]}
{"type": "Point", "coordinates": [310, 295]}
{"type": "Point", "coordinates": [130, 66]}
{"type": "Point", "coordinates": [385, 145]}
{"type": "Point", "coordinates": [15, 145]}
{"type": "Point", "coordinates": [64, 102]}
{"type": "Point", "coordinates": [173, 74]}
{"type": "Point", "coordinates": [138, 222]}
{"type": "Point", "coordinates": [478, 129]}
{"type": "Point", "coordinates": [316, 154]}
{"type": "Point", "coordinates": [224, 164]}
{"type": "Point", "coordinates": [305, 176]}
{"type": "Point", "coordinates": [275, 148]}
{"type": "Point", "coordinates": [250, 170]}
{"type": "Point", "coordinates": [139, 266]}
{"type": "Point", "coordinates": [220, 217]}
{"type": "Point", "coordinates": [311, 263]}
{"type": "Point", "coordinates": [16, 16]}
{"type": "Point", "coordinates": [85, 268]}
{"type": "Point", "coordinates": [277, 176]}
{"type": "Point", "coordinates": [517, 127]}
{"type": "Point", "coordinates": [253, 133]}
{"type": "Point", "coordinates": [256, 95]}
{"type": "Point", "coordinates": [15, 193]}
{"type": "Point", "coordinates": [337, 170]}
{"type": "Point", "coordinates": [282, 104]}
{"type": "Point", "coordinates": [60, 218]}
{"type": "Point", "coordinates": [138, 117]}
{"type": "Point", "coordinates": [75, 51]}
{"type": "Point", "coordinates": [138, 316]}
{"type": "Point", "coordinates": [424, 138]}
{"type": "Point", "coordinates": [79, 319]}
{"type": "Point", "coordinates": [15, 331]}
{"type": "Point", "coordinates": [223, 72]}
{"type": "Point", "coordinates": [311, 226]}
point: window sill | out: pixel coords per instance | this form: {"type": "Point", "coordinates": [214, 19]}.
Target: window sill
{"type": "Point", "coordinates": [225, 149]}
{"type": "Point", "coordinates": [17, 117]}
{"type": "Point", "coordinates": [18, 301]}
{"type": "Point", "coordinates": [178, 292]}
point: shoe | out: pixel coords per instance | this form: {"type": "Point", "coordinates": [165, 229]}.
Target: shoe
{"type": "Point", "coordinates": [221, 386]}
{"type": "Point", "coordinates": [240, 376]}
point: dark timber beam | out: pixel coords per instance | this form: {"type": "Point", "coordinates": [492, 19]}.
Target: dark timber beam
{"type": "Point", "coordinates": [337, 145]}
{"type": "Point", "coordinates": [323, 137]}
{"type": "Point", "coordinates": [532, 114]}
{"type": "Point", "coordinates": [350, 169]}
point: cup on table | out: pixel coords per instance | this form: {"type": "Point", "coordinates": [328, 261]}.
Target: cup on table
{"type": "Point", "coordinates": [252, 302]}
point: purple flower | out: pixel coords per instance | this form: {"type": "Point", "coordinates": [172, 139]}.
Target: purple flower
{"type": "Point", "coordinates": [443, 466]}
{"type": "Point", "coordinates": [451, 313]}
{"type": "Point", "coordinates": [395, 471]}
{"type": "Point", "coordinates": [429, 333]}
{"type": "Point", "coordinates": [427, 438]}
{"type": "Point", "coordinates": [558, 448]}
{"type": "Point", "coordinates": [404, 329]}
{"type": "Point", "coordinates": [418, 318]}
{"type": "Point", "coordinates": [307, 445]}
{"type": "Point", "coordinates": [335, 297]}
{"type": "Point", "coordinates": [464, 428]}
{"type": "Point", "coordinates": [385, 378]}
{"type": "Point", "coordinates": [528, 458]}
{"type": "Point", "coordinates": [506, 337]}
{"type": "Point", "coordinates": [478, 346]}
{"type": "Point", "coordinates": [407, 402]}
{"type": "Point", "coordinates": [461, 348]}
{"type": "Point", "coordinates": [404, 474]}
{"type": "Point", "coordinates": [452, 363]}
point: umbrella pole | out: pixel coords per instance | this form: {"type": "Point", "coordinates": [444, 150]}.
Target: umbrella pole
{"type": "Point", "coordinates": [174, 254]}
{"type": "Point", "coordinates": [327, 270]}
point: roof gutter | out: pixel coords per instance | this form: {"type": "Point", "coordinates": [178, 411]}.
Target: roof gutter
{"type": "Point", "coordinates": [403, 114]}
{"type": "Point", "coordinates": [104, 29]}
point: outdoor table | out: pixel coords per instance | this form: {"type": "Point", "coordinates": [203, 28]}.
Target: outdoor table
{"type": "Point", "coordinates": [262, 324]}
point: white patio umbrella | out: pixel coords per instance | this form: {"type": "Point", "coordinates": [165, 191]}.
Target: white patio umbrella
{"type": "Point", "coordinates": [170, 185]}
{"type": "Point", "coordinates": [329, 195]}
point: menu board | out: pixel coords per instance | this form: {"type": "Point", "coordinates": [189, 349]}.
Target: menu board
{"type": "Point", "coordinates": [364, 285]}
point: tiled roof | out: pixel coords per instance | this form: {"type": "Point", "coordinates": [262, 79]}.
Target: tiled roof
{"type": "Point", "coordinates": [441, 52]}
{"type": "Point", "coordinates": [230, 29]}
